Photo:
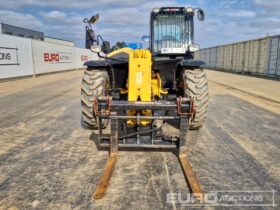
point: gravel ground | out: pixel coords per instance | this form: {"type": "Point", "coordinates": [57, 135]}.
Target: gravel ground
{"type": "Point", "coordinates": [48, 161]}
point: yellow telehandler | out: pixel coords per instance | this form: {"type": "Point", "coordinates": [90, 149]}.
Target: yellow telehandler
{"type": "Point", "coordinates": [136, 92]}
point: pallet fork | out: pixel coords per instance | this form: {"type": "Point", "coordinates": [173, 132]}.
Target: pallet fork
{"type": "Point", "coordinates": [114, 140]}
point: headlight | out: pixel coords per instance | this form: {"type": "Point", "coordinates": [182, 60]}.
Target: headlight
{"type": "Point", "coordinates": [95, 48]}
{"type": "Point", "coordinates": [189, 9]}
{"type": "Point", "coordinates": [156, 10]}
{"type": "Point", "coordinates": [193, 47]}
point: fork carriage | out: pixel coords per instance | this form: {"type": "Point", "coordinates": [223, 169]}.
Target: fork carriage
{"type": "Point", "coordinates": [150, 136]}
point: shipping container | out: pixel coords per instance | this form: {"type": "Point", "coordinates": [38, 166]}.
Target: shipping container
{"type": "Point", "coordinates": [274, 57]}
{"type": "Point", "coordinates": [213, 57]}
{"type": "Point", "coordinates": [229, 57]}
{"type": "Point", "coordinates": [263, 56]}
{"type": "Point", "coordinates": [221, 52]}
{"type": "Point", "coordinates": [15, 57]}
{"type": "Point", "coordinates": [219, 57]}
{"type": "Point", "coordinates": [208, 57]}
{"type": "Point", "coordinates": [203, 57]}
{"type": "Point", "coordinates": [197, 55]}
{"type": "Point", "coordinates": [278, 60]}
{"type": "Point", "coordinates": [240, 57]}
{"type": "Point", "coordinates": [258, 56]}
{"type": "Point", "coordinates": [232, 57]}
{"type": "Point", "coordinates": [247, 57]}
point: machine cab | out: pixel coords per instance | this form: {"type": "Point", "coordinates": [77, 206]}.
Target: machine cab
{"type": "Point", "coordinates": [172, 30]}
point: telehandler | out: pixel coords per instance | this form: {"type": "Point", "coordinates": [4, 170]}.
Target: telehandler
{"type": "Point", "coordinates": [136, 92]}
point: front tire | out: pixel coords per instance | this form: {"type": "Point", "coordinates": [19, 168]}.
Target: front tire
{"type": "Point", "coordinates": [196, 85]}
{"type": "Point", "coordinates": [94, 84]}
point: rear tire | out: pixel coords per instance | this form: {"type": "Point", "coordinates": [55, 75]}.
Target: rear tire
{"type": "Point", "coordinates": [93, 84]}
{"type": "Point", "coordinates": [196, 85]}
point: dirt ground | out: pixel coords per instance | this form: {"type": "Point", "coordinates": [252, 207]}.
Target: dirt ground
{"type": "Point", "coordinates": [48, 161]}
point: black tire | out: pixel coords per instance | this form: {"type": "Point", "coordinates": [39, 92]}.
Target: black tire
{"type": "Point", "coordinates": [196, 85]}
{"type": "Point", "coordinates": [94, 83]}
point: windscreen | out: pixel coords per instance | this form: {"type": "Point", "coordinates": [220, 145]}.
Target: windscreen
{"type": "Point", "coordinates": [170, 31]}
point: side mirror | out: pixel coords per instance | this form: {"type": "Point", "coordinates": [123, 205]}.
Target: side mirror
{"type": "Point", "coordinates": [200, 14]}
{"type": "Point", "coordinates": [146, 38]}
{"type": "Point", "coordinates": [105, 48]}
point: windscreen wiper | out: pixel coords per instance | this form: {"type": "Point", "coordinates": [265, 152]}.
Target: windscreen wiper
{"type": "Point", "coordinates": [182, 41]}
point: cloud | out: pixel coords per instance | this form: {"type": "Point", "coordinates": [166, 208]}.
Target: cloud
{"type": "Point", "coordinates": [128, 23]}
{"type": "Point", "coordinates": [126, 20]}
{"type": "Point", "coordinates": [149, 5]}
{"type": "Point", "coordinates": [270, 25]}
{"type": "Point", "coordinates": [129, 16]}
{"type": "Point", "coordinates": [60, 17]}
{"type": "Point", "coordinates": [269, 4]}
{"type": "Point", "coordinates": [241, 13]}
{"type": "Point", "coordinates": [125, 17]}
{"type": "Point", "coordinates": [20, 19]}
{"type": "Point", "coordinates": [54, 15]}
{"type": "Point", "coordinates": [270, 7]}
{"type": "Point", "coordinates": [62, 4]}
{"type": "Point", "coordinates": [122, 20]}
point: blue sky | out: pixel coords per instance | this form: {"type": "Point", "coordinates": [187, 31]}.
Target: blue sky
{"type": "Point", "coordinates": [127, 20]}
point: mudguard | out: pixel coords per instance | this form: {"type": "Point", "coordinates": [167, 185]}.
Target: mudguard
{"type": "Point", "coordinates": [191, 63]}
{"type": "Point", "coordinates": [96, 64]}
{"type": "Point", "coordinates": [112, 60]}
{"type": "Point", "coordinates": [103, 63]}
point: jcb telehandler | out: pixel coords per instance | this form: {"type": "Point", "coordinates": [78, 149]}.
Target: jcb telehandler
{"type": "Point", "coordinates": [136, 92]}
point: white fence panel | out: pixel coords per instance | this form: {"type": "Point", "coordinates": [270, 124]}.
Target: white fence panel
{"type": "Point", "coordinates": [83, 55]}
{"type": "Point", "coordinates": [15, 57]}
{"type": "Point", "coordinates": [49, 57]}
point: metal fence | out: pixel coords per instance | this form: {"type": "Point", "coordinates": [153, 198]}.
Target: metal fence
{"type": "Point", "coordinates": [26, 57]}
{"type": "Point", "coordinates": [258, 56]}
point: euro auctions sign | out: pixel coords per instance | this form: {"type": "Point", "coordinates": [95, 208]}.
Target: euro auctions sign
{"type": "Point", "coordinates": [84, 58]}
{"type": "Point", "coordinates": [59, 57]}
{"type": "Point", "coordinates": [8, 56]}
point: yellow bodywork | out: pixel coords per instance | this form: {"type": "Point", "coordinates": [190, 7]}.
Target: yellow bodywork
{"type": "Point", "coordinates": [142, 84]}
{"type": "Point", "coordinates": [140, 75]}
{"type": "Point", "coordinates": [156, 86]}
